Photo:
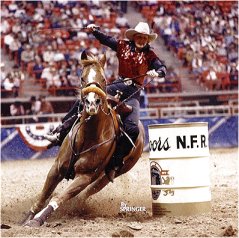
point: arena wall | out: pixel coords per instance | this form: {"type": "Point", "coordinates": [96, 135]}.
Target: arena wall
{"type": "Point", "coordinates": [26, 141]}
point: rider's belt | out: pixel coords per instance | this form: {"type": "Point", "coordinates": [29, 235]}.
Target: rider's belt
{"type": "Point", "coordinates": [130, 82]}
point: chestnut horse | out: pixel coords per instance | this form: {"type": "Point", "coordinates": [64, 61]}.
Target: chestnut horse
{"type": "Point", "coordinates": [91, 143]}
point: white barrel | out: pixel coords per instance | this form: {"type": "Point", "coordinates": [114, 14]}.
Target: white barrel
{"type": "Point", "coordinates": [179, 166]}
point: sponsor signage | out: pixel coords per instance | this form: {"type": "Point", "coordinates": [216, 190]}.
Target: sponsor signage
{"type": "Point", "coordinates": [178, 140]}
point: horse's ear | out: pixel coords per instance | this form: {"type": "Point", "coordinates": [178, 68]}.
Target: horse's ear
{"type": "Point", "coordinates": [102, 60]}
{"type": "Point", "coordinates": [83, 55]}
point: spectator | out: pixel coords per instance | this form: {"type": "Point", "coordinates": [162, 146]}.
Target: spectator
{"type": "Point", "coordinates": [233, 52]}
{"type": "Point", "coordinates": [34, 109]}
{"type": "Point", "coordinates": [16, 27]}
{"type": "Point", "coordinates": [121, 21]}
{"type": "Point", "coordinates": [3, 72]}
{"type": "Point", "coordinates": [27, 56]}
{"type": "Point", "coordinates": [9, 85]}
{"type": "Point", "coordinates": [5, 26]}
{"type": "Point", "coordinates": [197, 64]}
{"type": "Point", "coordinates": [172, 81]}
{"type": "Point", "coordinates": [212, 81]}
{"type": "Point", "coordinates": [47, 74]}
{"type": "Point", "coordinates": [4, 11]}
{"type": "Point", "coordinates": [223, 76]}
{"type": "Point", "coordinates": [8, 39]}
{"type": "Point", "coordinates": [233, 76]}
{"type": "Point", "coordinates": [54, 80]}
{"type": "Point", "coordinates": [18, 77]}
{"type": "Point", "coordinates": [14, 47]}
{"type": "Point", "coordinates": [3, 75]}
{"type": "Point", "coordinates": [188, 57]}
{"type": "Point", "coordinates": [12, 7]}
{"type": "Point", "coordinates": [17, 109]}
{"type": "Point", "coordinates": [48, 55]}
{"type": "Point", "coordinates": [76, 53]}
{"type": "Point", "coordinates": [38, 68]}
{"type": "Point", "coordinates": [205, 27]}
{"type": "Point", "coordinates": [46, 108]}
{"type": "Point", "coordinates": [73, 78]}
{"type": "Point", "coordinates": [58, 56]}
{"type": "Point", "coordinates": [65, 89]}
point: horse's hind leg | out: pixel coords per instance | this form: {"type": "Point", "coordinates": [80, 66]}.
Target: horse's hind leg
{"type": "Point", "coordinates": [52, 180]}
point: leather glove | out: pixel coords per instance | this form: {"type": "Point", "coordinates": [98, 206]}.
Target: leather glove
{"type": "Point", "coordinates": [152, 73]}
{"type": "Point", "coordinates": [92, 27]}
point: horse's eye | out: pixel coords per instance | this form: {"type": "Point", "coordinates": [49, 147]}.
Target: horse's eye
{"type": "Point", "coordinates": [98, 101]}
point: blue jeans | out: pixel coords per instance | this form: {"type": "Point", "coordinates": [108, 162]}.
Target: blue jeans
{"type": "Point", "coordinates": [130, 122]}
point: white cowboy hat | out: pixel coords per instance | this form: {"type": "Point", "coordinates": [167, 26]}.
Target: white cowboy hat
{"type": "Point", "coordinates": [141, 28]}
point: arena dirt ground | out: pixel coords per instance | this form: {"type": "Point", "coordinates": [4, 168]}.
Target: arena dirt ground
{"type": "Point", "coordinates": [100, 216]}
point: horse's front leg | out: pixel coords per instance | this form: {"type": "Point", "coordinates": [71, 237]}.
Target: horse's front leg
{"type": "Point", "coordinates": [94, 187]}
{"type": "Point", "coordinates": [78, 184]}
{"type": "Point", "coordinates": [54, 177]}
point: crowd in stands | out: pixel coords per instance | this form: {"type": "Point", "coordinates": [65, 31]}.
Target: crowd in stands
{"type": "Point", "coordinates": [35, 107]}
{"type": "Point", "coordinates": [45, 39]}
{"type": "Point", "coordinates": [30, 37]}
{"type": "Point", "coordinates": [203, 34]}
{"type": "Point", "coordinates": [11, 81]}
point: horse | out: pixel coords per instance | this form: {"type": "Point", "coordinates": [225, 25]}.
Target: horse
{"type": "Point", "coordinates": [88, 147]}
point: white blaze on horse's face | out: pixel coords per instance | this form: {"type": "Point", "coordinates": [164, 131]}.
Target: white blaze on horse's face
{"type": "Point", "coordinates": [91, 76]}
{"type": "Point", "coordinates": [92, 103]}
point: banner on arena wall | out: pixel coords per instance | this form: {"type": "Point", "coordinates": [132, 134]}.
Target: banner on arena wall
{"type": "Point", "coordinates": [27, 141]}
{"type": "Point", "coordinates": [33, 134]}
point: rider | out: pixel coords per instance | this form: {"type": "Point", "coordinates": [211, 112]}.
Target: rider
{"type": "Point", "coordinates": [135, 58]}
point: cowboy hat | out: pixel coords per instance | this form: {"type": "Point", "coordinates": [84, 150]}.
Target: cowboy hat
{"type": "Point", "coordinates": [141, 28]}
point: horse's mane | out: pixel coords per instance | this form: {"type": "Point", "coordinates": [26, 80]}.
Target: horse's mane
{"type": "Point", "coordinates": [91, 60]}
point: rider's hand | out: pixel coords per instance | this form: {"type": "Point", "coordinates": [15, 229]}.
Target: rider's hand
{"type": "Point", "coordinates": [92, 27]}
{"type": "Point", "coordinates": [152, 73]}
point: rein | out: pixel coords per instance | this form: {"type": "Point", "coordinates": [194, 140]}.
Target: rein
{"type": "Point", "coordinates": [94, 147]}
{"type": "Point", "coordinates": [139, 88]}
{"type": "Point", "coordinates": [128, 79]}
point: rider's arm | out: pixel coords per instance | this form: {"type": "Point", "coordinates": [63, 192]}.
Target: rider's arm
{"type": "Point", "coordinates": [105, 39]}
{"type": "Point", "coordinates": [159, 67]}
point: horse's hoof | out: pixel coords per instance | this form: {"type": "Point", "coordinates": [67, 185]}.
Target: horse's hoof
{"type": "Point", "coordinates": [33, 223]}
{"type": "Point", "coordinates": [30, 215]}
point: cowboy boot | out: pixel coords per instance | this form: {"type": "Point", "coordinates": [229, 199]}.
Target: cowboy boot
{"type": "Point", "coordinates": [59, 134]}
{"type": "Point", "coordinates": [56, 138]}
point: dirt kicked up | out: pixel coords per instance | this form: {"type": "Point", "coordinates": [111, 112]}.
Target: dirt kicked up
{"type": "Point", "coordinates": [103, 216]}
